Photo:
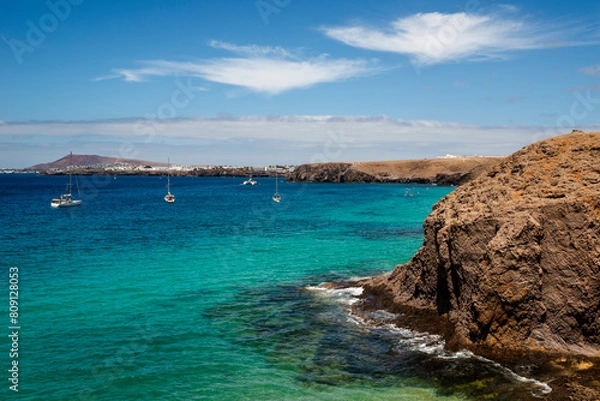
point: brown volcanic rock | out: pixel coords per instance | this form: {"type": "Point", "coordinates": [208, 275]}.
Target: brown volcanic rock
{"type": "Point", "coordinates": [512, 258]}
{"type": "Point", "coordinates": [443, 171]}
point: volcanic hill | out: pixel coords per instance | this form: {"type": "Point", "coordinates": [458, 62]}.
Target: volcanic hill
{"type": "Point", "coordinates": [92, 161]}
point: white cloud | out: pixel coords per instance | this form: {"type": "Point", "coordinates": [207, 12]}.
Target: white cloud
{"type": "Point", "coordinates": [270, 70]}
{"type": "Point", "coordinates": [593, 70]}
{"type": "Point", "coordinates": [261, 140]}
{"type": "Point", "coordinates": [511, 8]}
{"type": "Point", "coordinates": [252, 50]}
{"type": "Point", "coordinates": [432, 38]}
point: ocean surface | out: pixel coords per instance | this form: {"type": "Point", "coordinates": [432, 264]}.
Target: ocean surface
{"type": "Point", "coordinates": [217, 296]}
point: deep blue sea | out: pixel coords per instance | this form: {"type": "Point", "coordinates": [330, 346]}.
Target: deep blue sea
{"type": "Point", "coordinates": [217, 296]}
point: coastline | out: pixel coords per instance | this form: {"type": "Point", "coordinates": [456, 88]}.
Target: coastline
{"type": "Point", "coordinates": [508, 268]}
{"type": "Point", "coordinates": [557, 376]}
{"type": "Point", "coordinates": [439, 171]}
{"type": "Point", "coordinates": [196, 172]}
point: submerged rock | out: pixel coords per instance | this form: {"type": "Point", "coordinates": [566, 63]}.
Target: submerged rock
{"type": "Point", "coordinates": [512, 258]}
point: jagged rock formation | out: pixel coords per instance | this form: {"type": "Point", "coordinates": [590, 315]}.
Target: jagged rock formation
{"type": "Point", "coordinates": [443, 171]}
{"type": "Point", "coordinates": [512, 258]}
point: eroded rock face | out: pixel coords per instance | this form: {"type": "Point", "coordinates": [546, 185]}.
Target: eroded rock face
{"type": "Point", "coordinates": [512, 258]}
{"type": "Point", "coordinates": [445, 171]}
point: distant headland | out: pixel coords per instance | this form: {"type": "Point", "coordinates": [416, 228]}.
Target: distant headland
{"type": "Point", "coordinates": [449, 170]}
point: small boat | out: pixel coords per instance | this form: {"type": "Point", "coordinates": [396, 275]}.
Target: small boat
{"type": "Point", "coordinates": [276, 196]}
{"type": "Point", "coordinates": [249, 181]}
{"type": "Point", "coordinates": [66, 199]}
{"type": "Point", "coordinates": [169, 197]}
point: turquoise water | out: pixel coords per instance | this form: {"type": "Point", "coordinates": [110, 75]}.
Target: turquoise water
{"type": "Point", "coordinates": [216, 296]}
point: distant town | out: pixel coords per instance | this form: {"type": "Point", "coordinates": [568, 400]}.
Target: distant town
{"type": "Point", "coordinates": [101, 165]}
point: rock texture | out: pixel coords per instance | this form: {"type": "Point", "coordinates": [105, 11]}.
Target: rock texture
{"type": "Point", "coordinates": [443, 171]}
{"type": "Point", "coordinates": [512, 258]}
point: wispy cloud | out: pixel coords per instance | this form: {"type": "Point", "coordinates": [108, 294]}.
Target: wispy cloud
{"type": "Point", "coordinates": [593, 70]}
{"type": "Point", "coordinates": [270, 70]}
{"type": "Point", "coordinates": [252, 50]}
{"type": "Point", "coordinates": [511, 8]}
{"type": "Point", "coordinates": [228, 139]}
{"type": "Point", "coordinates": [433, 38]}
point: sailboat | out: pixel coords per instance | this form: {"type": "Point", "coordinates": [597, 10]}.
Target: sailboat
{"type": "Point", "coordinates": [276, 196]}
{"type": "Point", "coordinates": [249, 181]}
{"type": "Point", "coordinates": [66, 199]}
{"type": "Point", "coordinates": [169, 197]}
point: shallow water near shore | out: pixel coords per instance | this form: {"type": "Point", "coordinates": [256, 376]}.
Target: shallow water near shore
{"type": "Point", "coordinates": [217, 296]}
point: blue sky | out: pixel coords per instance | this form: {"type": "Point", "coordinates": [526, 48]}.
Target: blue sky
{"type": "Point", "coordinates": [290, 81]}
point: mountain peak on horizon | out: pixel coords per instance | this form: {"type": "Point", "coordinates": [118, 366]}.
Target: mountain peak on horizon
{"type": "Point", "coordinates": [92, 161]}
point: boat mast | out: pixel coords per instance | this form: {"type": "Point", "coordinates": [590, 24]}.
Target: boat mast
{"type": "Point", "coordinates": [70, 189]}
{"type": "Point", "coordinates": [169, 175]}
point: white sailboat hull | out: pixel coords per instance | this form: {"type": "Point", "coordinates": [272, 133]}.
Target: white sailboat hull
{"type": "Point", "coordinates": [169, 198]}
{"type": "Point", "coordinates": [65, 201]}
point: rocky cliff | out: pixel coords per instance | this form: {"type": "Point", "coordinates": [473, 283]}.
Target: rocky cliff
{"type": "Point", "coordinates": [512, 258]}
{"type": "Point", "coordinates": [443, 171]}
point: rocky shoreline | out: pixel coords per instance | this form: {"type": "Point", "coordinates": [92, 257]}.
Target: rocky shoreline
{"type": "Point", "coordinates": [570, 376]}
{"type": "Point", "coordinates": [510, 267]}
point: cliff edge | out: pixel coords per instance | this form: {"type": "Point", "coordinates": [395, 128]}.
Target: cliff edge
{"type": "Point", "coordinates": [512, 258]}
{"type": "Point", "coordinates": [443, 171]}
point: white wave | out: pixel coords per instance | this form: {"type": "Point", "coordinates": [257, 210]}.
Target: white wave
{"type": "Point", "coordinates": [319, 287]}
{"type": "Point", "coordinates": [346, 296]}
{"type": "Point", "coordinates": [356, 320]}
{"type": "Point", "coordinates": [544, 387]}
{"type": "Point", "coordinates": [383, 315]}
{"type": "Point", "coordinates": [431, 344]}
